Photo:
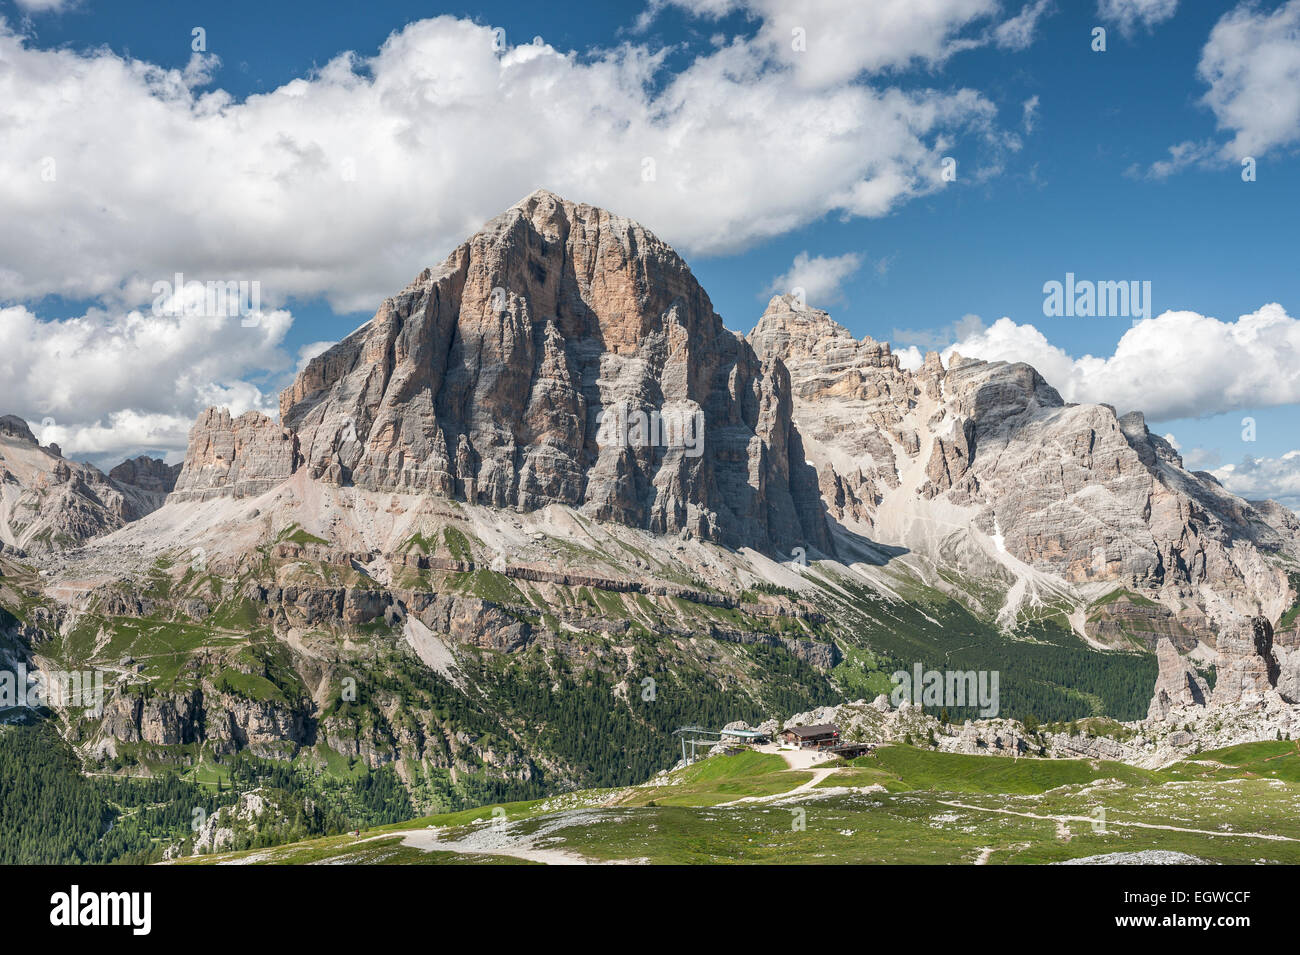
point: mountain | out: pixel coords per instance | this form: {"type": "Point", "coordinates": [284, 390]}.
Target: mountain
{"type": "Point", "coordinates": [487, 380]}
{"type": "Point", "coordinates": [147, 474]}
{"type": "Point", "coordinates": [444, 562]}
{"type": "Point", "coordinates": [982, 463]}
{"type": "Point", "coordinates": [544, 508]}
{"type": "Point", "coordinates": [235, 457]}
{"type": "Point", "coordinates": [48, 502]}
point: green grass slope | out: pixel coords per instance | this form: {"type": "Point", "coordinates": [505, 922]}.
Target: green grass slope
{"type": "Point", "coordinates": [898, 805]}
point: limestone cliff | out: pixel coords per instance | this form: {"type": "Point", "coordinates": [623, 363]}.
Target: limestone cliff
{"type": "Point", "coordinates": [564, 355]}
{"type": "Point", "coordinates": [986, 457]}
{"type": "Point", "coordinates": [147, 474]}
{"type": "Point", "coordinates": [1177, 684]}
{"type": "Point", "coordinates": [235, 457]}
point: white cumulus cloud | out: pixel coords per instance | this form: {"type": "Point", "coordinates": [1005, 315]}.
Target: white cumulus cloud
{"type": "Point", "coordinates": [348, 181]}
{"type": "Point", "coordinates": [910, 358]}
{"type": "Point", "coordinates": [1128, 15]}
{"type": "Point", "coordinates": [832, 41]}
{"type": "Point", "coordinates": [1180, 364]}
{"type": "Point", "coordinates": [820, 277]}
{"type": "Point", "coordinates": [111, 383]}
{"type": "Point", "coordinates": [1252, 65]}
{"type": "Point", "coordinates": [1259, 478]}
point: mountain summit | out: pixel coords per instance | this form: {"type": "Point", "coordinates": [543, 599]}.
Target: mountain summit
{"type": "Point", "coordinates": [983, 468]}
{"type": "Point", "coordinates": [515, 375]}
{"type": "Point", "coordinates": [49, 503]}
{"type": "Point", "coordinates": [493, 380]}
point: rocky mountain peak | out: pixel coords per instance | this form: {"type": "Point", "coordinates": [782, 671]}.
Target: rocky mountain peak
{"type": "Point", "coordinates": [49, 503]}
{"type": "Point", "coordinates": [494, 377]}
{"type": "Point", "coordinates": [940, 460]}
{"type": "Point", "coordinates": [791, 325]}
{"type": "Point", "coordinates": [823, 357]}
{"type": "Point", "coordinates": [146, 473]}
{"type": "Point", "coordinates": [12, 426]}
{"type": "Point", "coordinates": [563, 354]}
{"type": "Point", "coordinates": [793, 331]}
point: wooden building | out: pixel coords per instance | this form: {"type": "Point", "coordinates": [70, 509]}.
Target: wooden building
{"type": "Point", "coordinates": [818, 736]}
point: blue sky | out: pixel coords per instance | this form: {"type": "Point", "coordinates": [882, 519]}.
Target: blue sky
{"type": "Point", "coordinates": [1056, 145]}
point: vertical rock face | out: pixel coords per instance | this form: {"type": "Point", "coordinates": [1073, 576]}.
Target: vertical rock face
{"type": "Point", "coordinates": [1252, 668]}
{"type": "Point", "coordinates": [494, 378]}
{"type": "Point", "coordinates": [1177, 684]}
{"type": "Point", "coordinates": [14, 427]}
{"type": "Point", "coordinates": [1246, 667]}
{"type": "Point", "coordinates": [235, 457]}
{"type": "Point", "coordinates": [1280, 520]}
{"type": "Point", "coordinates": [850, 398]}
{"type": "Point", "coordinates": [147, 474]}
{"type": "Point", "coordinates": [1286, 651]}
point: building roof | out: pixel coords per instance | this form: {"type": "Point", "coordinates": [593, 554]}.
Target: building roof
{"type": "Point", "coordinates": [818, 729]}
{"type": "Point", "coordinates": [742, 734]}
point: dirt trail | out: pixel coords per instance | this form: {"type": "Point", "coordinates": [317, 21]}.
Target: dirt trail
{"type": "Point", "coordinates": [817, 776]}
{"type": "Point", "coordinates": [1062, 820]}
{"type": "Point", "coordinates": [801, 760]}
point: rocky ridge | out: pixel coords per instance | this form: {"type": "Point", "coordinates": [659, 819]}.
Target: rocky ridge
{"type": "Point", "coordinates": [983, 465]}
{"type": "Point", "coordinates": [235, 457]}
{"type": "Point", "coordinates": [147, 474]}
{"type": "Point", "coordinates": [48, 503]}
{"type": "Point", "coordinates": [1151, 744]}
